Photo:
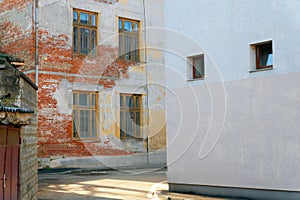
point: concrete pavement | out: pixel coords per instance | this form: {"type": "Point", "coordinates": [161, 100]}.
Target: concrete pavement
{"type": "Point", "coordinates": [130, 184]}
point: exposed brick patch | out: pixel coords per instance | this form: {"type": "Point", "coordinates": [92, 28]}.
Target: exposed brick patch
{"type": "Point", "coordinates": [17, 42]}
{"type": "Point", "coordinates": [7, 5]}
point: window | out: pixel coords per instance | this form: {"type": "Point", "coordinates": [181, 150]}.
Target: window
{"type": "Point", "coordinates": [130, 116]}
{"type": "Point", "coordinates": [264, 55]}
{"type": "Point", "coordinates": [84, 115]}
{"type": "Point", "coordinates": [84, 32]}
{"type": "Point", "coordinates": [129, 39]}
{"type": "Point", "coordinates": [196, 67]}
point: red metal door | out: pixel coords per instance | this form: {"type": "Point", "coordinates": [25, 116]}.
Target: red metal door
{"type": "Point", "coordinates": [9, 162]}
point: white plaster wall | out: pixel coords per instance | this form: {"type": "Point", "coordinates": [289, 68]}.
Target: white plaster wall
{"type": "Point", "coordinates": [234, 128]}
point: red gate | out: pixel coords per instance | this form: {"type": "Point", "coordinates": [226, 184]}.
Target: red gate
{"type": "Point", "coordinates": [9, 162]}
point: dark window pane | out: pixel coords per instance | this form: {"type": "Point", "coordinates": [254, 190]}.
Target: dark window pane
{"type": "Point", "coordinates": [94, 128]}
{"type": "Point", "coordinates": [83, 100]}
{"type": "Point", "coordinates": [84, 40]}
{"type": "Point", "coordinates": [82, 122]}
{"type": "Point", "coordinates": [93, 47]}
{"type": "Point", "coordinates": [93, 99]}
{"type": "Point", "coordinates": [137, 124]}
{"type": "Point", "coordinates": [75, 100]}
{"type": "Point", "coordinates": [198, 65]}
{"type": "Point", "coordinates": [137, 102]}
{"type": "Point", "coordinates": [121, 101]}
{"type": "Point", "coordinates": [75, 40]}
{"type": "Point", "coordinates": [136, 26]}
{"type": "Point", "coordinates": [120, 24]}
{"type": "Point", "coordinates": [122, 128]}
{"type": "Point", "coordinates": [87, 123]}
{"type": "Point", "coordinates": [129, 101]}
{"type": "Point", "coordinates": [128, 47]}
{"type": "Point", "coordinates": [75, 123]}
{"type": "Point", "coordinates": [266, 57]}
{"type": "Point", "coordinates": [84, 18]}
{"type": "Point", "coordinates": [128, 26]}
{"type": "Point", "coordinates": [93, 20]}
{"type": "Point", "coordinates": [121, 45]}
{"type": "Point", "coordinates": [136, 49]}
{"type": "Point", "coordinates": [129, 124]}
{"type": "Point", "coordinates": [75, 16]}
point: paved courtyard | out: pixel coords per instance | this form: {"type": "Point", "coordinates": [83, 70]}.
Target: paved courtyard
{"type": "Point", "coordinates": [113, 185]}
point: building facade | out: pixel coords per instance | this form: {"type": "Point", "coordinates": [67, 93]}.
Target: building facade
{"type": "Point", "coordinates": [234, 69]}
{"type": "Point", "coordinates": [98, 86]}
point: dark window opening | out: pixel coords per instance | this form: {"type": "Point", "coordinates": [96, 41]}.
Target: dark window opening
{"type": "Point", "coordinates": [198, 66]}
{"type": "Point", "coordinates": [264, 56]}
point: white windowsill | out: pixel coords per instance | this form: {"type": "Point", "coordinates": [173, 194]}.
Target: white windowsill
{"type": "Point", "coordinates": [195, 79]}
{"type": "Point", "coordinates": [259, 70]}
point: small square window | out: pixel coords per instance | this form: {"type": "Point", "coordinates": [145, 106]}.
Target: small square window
{"type": "Point", "coordinates": [196, 67]}
{"type": "Point", "coordinates": [264, 55]}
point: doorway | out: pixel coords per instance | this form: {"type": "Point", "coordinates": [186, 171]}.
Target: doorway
{"type": "Point", "coordinates": [9, 162]}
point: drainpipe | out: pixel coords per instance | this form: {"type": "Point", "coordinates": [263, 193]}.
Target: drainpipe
{"type": "Point", "coordinates": [36, 27]}
{"type": "Point", "coordinates": [147, 91]}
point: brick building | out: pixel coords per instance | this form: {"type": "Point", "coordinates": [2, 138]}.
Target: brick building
{"type": "Point", "coordinates": [100, 92]}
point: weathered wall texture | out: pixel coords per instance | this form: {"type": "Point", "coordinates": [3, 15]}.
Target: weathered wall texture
{"type": "Point", "coordinates": [28, 149]}
{"type": "Point", "coordinates": [235, 128]}
{"type": "Point", "coordinates": [16, 29]}
{"type": "Point", "coordinates": [61, 72]}
{"type": "Point", "coordinates": [19, 92]}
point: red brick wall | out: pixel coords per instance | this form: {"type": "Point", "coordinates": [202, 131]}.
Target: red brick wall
{"type": "Point", "coordinates": [15, 39]}
{"type": "Point", "coordinates": [55, 128]}
{"type": "Point", "coordinates": [55, 54]}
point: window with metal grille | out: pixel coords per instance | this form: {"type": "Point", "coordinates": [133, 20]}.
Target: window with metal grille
{"type": "Point", "coordinates": [84, 32]}
{"type": "Point", "coordinates": [130, 116]}
{"type": "Point", "coordinates": [85, 115]}
{"type": "Point", "coordinates": [129, 39]}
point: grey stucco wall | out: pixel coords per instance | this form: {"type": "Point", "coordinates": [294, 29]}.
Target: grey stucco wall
{"type": "Point", "coordinates": [235, 128]}
{"type": "Point", "coordinates": [28, 167]}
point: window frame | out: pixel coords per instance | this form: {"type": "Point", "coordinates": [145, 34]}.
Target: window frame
{"type": "Point", "coordinates": [134, 34]}
{"type": "Point", "coordinates": [191, 69]}
{"type": "Point", "coordinates": [258, 55]}
{"type": "Point", "coordinates": [201, 56]}
{"type": "Point", "coordinates": [134, 109]}
{"type": "Point", "coordinates": [90, 27]}
{"type": "Point", "coordinates": [90, 108]}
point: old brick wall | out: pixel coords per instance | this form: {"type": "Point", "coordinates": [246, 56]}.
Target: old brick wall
{"type": "Point", "coordinates": [61, 71]}
{"type": "Point", "coordinates": [17, 31]}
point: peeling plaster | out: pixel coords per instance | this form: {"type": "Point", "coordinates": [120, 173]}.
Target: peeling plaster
{"type": "Point", "coordinates": [63, 97]}
{"type": "Point", "coordinates": [21, 18]}
{"type": "Point", "coordinates": [56, 23]}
